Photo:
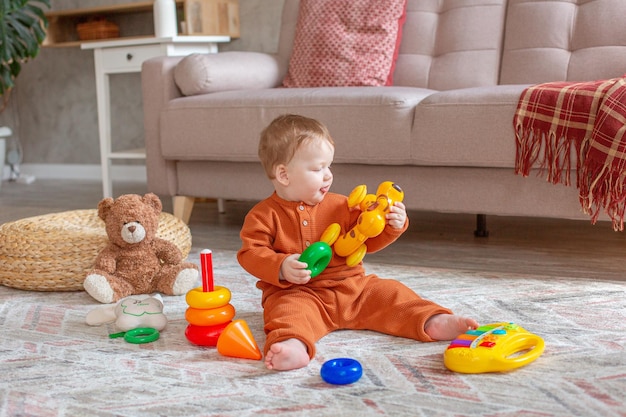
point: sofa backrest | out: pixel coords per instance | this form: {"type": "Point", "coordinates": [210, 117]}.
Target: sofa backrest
{"type": "Point", "coordinates": [445, 44]}
{"type": "Point", "coordinates": [564, 40]}
{"type": "Point", "coordinates": [448, 44]}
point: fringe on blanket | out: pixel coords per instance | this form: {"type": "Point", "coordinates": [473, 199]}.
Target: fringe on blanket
{"type": "Point", "coordinates": [549, 151]}
{"type": "Point", "coordinates": [603, 188]}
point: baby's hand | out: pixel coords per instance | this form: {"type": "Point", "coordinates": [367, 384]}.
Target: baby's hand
{"type": "Point", "coordinates": [294, 271]}
{"type": "Point", "coordinates": [397, 215]}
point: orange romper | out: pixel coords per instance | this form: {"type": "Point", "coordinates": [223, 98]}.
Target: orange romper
{"type": "Point", "coordinates": [341, 297]}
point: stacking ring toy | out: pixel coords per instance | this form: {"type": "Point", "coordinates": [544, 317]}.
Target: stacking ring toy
{"type": "Point", "coordinates": [139, 335]}
{"type": "Point", "coordinates": [341, 371]}
{"type": "Point", "coordinates": [197, 298]}
{"type": "Point", "coordinates": [317, 257]}
{"type": "Point", "coordinates": [210, 317]}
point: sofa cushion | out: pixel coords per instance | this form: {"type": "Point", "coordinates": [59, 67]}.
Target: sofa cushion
{"type": "Point", "coordinates": [345, 43]}
{"type": "Point", "coordinates": [469, 127]}
{"type": "Point", "coordinates": [209, 73]}
{"type": "Point", "coordinates": [225, 126]}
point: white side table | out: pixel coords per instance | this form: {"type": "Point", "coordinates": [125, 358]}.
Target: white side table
{"type": "Point", "coordinates": [125, 56]}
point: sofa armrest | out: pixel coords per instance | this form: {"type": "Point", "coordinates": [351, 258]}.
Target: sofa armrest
{"type": "Point", "coordinates": [158, 88]}
{"type": "Point", "coordinates": [233, 70]}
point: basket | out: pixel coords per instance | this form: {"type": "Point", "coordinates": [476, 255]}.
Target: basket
{"type": "Point", "coordinates": [97, 29]}
{"type": "Point", "coordinates": [54, 252]}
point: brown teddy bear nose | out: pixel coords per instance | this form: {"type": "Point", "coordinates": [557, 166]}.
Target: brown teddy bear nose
{"type": "Point", "coordinates": [132, 229]}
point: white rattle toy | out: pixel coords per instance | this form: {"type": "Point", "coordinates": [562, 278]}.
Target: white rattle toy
{"type": "Point", "coordinates": [131, 313]}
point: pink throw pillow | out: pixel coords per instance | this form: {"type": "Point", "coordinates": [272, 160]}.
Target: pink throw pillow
{"type": "Point", "coordinates": [346, 43]}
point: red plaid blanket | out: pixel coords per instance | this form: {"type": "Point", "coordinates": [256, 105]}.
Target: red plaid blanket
{"type": "Point", "coordinates": [560, 121]}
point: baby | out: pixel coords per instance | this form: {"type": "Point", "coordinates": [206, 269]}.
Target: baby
{"type": "Point", "coordinates": [296, 153]}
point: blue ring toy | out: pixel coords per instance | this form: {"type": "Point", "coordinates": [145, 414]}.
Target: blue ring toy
{"type": "Point", "coordinates": [317, 257]}
{"type": "Point", "coordinates": [341, 371]}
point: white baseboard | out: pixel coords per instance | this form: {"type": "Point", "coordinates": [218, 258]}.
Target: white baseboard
{"type": "Point", "coordinates": [134, 173]}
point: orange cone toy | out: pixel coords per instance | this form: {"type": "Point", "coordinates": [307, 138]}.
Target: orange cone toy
{"type": "Point", "coordinates": [237, 341]}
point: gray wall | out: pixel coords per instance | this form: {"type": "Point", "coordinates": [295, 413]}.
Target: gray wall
{"type": "Point", "coordinates": [53, 107]}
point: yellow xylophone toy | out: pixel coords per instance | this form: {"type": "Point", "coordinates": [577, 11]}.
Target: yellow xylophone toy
{"type": "Point", "coordinates": [494, 347]}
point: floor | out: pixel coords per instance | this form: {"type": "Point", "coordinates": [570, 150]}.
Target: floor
{"type": "Point", "coordinates": [531, 246]}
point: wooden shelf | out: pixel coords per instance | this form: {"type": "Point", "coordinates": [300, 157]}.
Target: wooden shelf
{"type": "Point", "coordinates": [144, 6]}
{"type": "Point", "coordinates": [135, 20]}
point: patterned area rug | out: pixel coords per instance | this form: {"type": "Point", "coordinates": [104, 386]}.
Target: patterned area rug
{"type": "Point", "coordinates": [53, 364]}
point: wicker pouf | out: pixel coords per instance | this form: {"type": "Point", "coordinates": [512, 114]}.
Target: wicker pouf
{"type": "Point", "coordinates": [55, 251]}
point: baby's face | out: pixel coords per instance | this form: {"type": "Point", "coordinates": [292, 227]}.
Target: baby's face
{"type": "Point", "coordinates": [309, 172]}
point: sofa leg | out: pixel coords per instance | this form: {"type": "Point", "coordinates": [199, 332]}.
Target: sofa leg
{"type": "Point", "coordinates": [481, 226]}
{"type": "Point", "coordinates": [183, 206]}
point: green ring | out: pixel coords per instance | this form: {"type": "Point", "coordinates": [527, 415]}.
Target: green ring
{"type": "Point", "coordinates": [317, 257]}
{"type": "Point", "coordinates": [141, 335]}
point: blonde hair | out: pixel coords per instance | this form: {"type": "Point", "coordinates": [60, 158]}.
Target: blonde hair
{"type": "Point", "coordinates": [284, 135]}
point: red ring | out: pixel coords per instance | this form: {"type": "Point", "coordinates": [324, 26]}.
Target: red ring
{"type": "Point", "coordinates": [205, 335]}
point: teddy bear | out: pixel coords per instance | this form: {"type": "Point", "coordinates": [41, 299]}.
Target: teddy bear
{"type": "Point", "coordinates": [135, 261]}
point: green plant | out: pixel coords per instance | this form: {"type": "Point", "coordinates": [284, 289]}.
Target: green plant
{"type": "Point", "coordinates": [22, 30]}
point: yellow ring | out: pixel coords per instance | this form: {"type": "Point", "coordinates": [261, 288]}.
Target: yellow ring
{"type": "Point", "coordinates": [210, 317]}
{"type": "Point", "coordinates": [197, 298]}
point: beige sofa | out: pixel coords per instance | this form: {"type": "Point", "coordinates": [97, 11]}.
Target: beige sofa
{"type": "Point", "coordinates": [443, 131]}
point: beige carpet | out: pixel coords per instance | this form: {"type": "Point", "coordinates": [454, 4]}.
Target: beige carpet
{"type": "Point", "coordinates": [53, 364]}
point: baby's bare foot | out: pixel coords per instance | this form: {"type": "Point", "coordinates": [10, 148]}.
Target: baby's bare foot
{"type": "Point", "coordinates": [448, 326]}
{"type": "Point", "coordinates": [287, 355]}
